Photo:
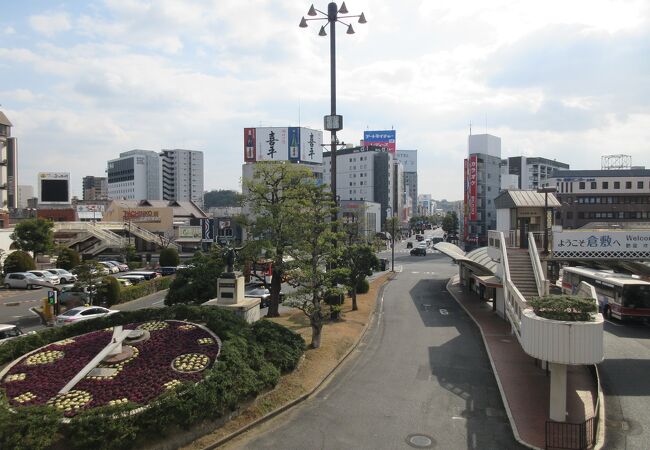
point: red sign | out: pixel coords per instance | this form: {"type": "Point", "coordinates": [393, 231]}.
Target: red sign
{"type": "Point", "coordinates": [249, 145]}
{"type": "Point", "coordinates": [465, 198]}
{"type": "Point", "coordinates": [473, 181]}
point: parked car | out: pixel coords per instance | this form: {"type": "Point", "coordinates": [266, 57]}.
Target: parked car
{"type": "Point", "coordinates": [120, 265]}
{"type": "Point", "coordinates": [166, 271]}
{"type": "Point", "coordinates": [101, 270]}
{"type": "Point", "coordinates": [263, 294]}
{"type": "Point", "coordinates": [409, 244]}
{"type": "Point", "coordinates": [112, 268]}
{"type": "Point", "coordinates": [422, 245]}
{"type": "Point", "coordinates": [148, 275]}
{"type": "Point", "coordinates": [82, 313]}
{"type": "Point", "coordinates": [133, 279]}
{"type": "Point", "coordinates": [436, 240]}
{"type": "Point", "coordinates": [23, 280]}
{"type": "Point", "coordinates": [47, 276]}
{"type": "Point", "coordinates": [65, 276]}
{"type": "Point", "coordinates": [8, 332]}
{"type": "Point", "coordinates": [124, 282]}
{"type": "Point", "coordinates": [419, 251]}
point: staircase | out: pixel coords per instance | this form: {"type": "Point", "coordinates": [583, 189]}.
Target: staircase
{"type": "Point", "coordinates": [521, 272]}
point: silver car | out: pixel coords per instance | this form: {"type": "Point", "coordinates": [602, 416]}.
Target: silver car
{"type": "Point", "coordinates": [82, 313]}
{"type": "Point", "coordinates": [65, 276]}
{"type": "Point", "coordinates": [47, 276]}
{"type": "Point", "coordinates": [23, 280]}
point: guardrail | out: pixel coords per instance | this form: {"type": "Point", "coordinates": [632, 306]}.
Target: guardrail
{"type": "Point", "coordinates": [540, 279]}
{"type": "Point", "coordinates": [514, 301]}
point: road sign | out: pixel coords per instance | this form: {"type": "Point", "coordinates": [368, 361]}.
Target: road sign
{"type": "Point", "coordinates": [52, 297]}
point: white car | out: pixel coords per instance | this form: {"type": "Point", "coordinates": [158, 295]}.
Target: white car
{"type": "Point", "coordinates": [47, 276]}
{"type": "Point", "coordinates": [82, 313]}
{"type": "Point", "coordinates": [133, 279]}
{"type": "Point", "coordinates": [112, 268]}
{"type": "Point", "coordinates": [65, 276]}
{"type": "Point", "coordinates": [25, 280]}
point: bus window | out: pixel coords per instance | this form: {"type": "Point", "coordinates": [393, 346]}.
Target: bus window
{"type": "Point", "coordinates": [637, 296]}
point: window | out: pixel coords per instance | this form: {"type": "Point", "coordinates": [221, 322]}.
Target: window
{"type": "Point", "coordinates": [617, 184]}
{"type": "Point", "coordinates": [639, 184]}
{"type": "Point", "coordinates": [582, 185]}
{"type": "Point", "coordinates": [628, 185]}
{"type": "Point", "coordinates": [593, 185]}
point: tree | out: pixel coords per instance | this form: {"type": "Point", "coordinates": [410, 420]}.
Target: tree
{"type": "Point", "coordinates": [198, 282]}
{"type": "Point", "coordinates": [34, 235]}
{"type": "Point", "coordinates": [313, 249]}
{"type": "Point", "coordinates": [89, 274]}
{"type": "Point", "coordinates": [19, 261]}
{"type": "Point", "coordinates": [108, 291]}
{"type": "Point", "coordinates": [67, 258]}
{"type": "Point", "coordinates": [450, 223]}
{"type": "Point", "coordinates": [169, 257]}
{"type": "Point", "coordinates": [358, 261]}
{"type": "Point", "coordinates": [274, 196]}
{"type": "Point", "coordinates": [222, 197]}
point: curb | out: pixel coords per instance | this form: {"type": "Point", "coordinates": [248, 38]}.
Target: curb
{"type": "Point", "coordinates": [494, 371]}
{"type": "Point", "coordinates": [306, 395]}
{"type": "Point", "coordinates": [600, 438]}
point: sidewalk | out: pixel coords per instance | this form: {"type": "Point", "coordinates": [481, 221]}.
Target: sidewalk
{"type": "Point", "coordinates": [524, 385]}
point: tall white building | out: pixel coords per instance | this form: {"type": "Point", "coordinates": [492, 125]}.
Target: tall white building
{"type": "Point", "coordinates": [135, 175]}
{"type": "Point", "coordinates": [409, 159]}
{"type": "Point", "coordinates": [182, 175]}
{"type": "Point", "coordinates": [25, 192]}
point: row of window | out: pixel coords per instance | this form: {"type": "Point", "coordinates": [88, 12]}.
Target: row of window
{"type": "Point", "coordinates": [605, 215]}
{"type": "Point", "coordinates": [610, 200]}
{"type": "Point", "coordinates": [567, 186]}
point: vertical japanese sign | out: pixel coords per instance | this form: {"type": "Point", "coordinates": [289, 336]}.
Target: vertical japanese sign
{"type": "Point", "coordinates": [384, 138]}
{"type": "Point", "coordinates": [473, 181]}
{"type": "Point", "coordinates": [249, 145]}
{"type": "Point", "coordinates": [465, 198]}
{"type": "Point", "coordinates": [207, 230]}
{"type": "Point", "coordinates": [272, 144]}
{"type": "Point", "coordinates": [311, 145]}
{"type": "Point", "coordinates": [294, 143]}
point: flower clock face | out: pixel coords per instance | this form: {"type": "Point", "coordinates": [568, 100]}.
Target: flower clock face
{"type": "Point", "coordinates": [171, 353]}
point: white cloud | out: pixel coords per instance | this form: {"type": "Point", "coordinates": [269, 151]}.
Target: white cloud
{"type": "Point", "coordinates": [50, 24]}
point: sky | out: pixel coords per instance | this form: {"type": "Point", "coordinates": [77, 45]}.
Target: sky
{"type": "Point", "coordinates": [82, 81]}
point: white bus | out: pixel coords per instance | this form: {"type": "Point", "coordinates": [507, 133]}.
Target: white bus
{"type": "Point", "coordinates": [619, 295]}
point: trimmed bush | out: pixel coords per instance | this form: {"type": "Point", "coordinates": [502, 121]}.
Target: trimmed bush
{"type": "Point", "coordinates": [67, 259]}
{"type": "Point", "coordinates": [251, 360]}
{"type": "Point", "coordinates": [169, 257]}
{"type": "Point", "coordinates": [565, 307]}
{"type": "Point", "coordinates": [143, 288]}
{"type": "Point", "coordinates": [363, 286]}
{"type": "Point", "coordinates": [19, 261]}
{"type": "Point", "coordinates": [108, 291]}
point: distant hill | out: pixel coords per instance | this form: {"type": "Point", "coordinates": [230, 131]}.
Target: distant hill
{"type": "Point", "coordinates": [221, 197]}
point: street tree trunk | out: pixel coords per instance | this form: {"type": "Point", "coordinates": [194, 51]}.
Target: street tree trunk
{"type": "Point", "coordinates": [354, 298]}
{"type": "Point", "coordinates": [276, 286]}
{"type": "Point", "coordinates": [316, 321]}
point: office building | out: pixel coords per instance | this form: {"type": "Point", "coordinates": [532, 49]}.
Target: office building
{"type": "Point", "coordinates": [8, 178]}
{"type": "Point", "coordinates": [426, 205]}
{"type": "Point", "coordinates": [482, 186]}
{"type": "Point", "coordinates": [135, 175]}
{"type": "Point", "coordinates": [409, 159]}
{"type": "Point", "coordinates": [604, 197]}
{"type": "Point", "coordinates": [95, 188]}
{"type": "Point", "coordinates": [532, 173]}
{"type": "Point", "coordinates": [182, 175]}
{"type": "Point", "coordinates": [25, 192]}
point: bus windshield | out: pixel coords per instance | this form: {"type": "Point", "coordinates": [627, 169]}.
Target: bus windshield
{"type": "Point", "coordinates": [636, 296]}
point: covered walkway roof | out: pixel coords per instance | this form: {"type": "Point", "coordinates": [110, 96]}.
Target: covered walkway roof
{"type": "Point", "coordinates": [477, 259]}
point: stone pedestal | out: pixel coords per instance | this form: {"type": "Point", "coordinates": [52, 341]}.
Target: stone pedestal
{"type": "Point", "coordinates": [230, 288]}
{"type": "Point", "coordinates": [247, 308]}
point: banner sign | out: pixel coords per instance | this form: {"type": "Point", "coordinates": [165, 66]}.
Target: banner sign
{"type": "Point", "coordinates": [141, 215]}
{"type": "Point", "coordinates": [385, 139]}
{"type": "Point", "coordinates": [190, 232]}
{"type": "Point", "coordinates": [602, 244]}
{"type": "Point", "coordinates": [272, 144]}
{"type": "Point", "coordinates": [311, 146]}
{"type": "Point", "coordinates": [465, 199]}
{"type": "Point", "coordinates": [294, 144]}
{"type": "Point", "coordinates": [473, 180]}
{"type": "Point", "coordinates": [207, 230]}
{"type": "Point", "coordinates": [249, 145]}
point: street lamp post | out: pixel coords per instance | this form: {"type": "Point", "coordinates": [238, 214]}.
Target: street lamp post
{"type": "Point", "coordinates": [546, 190]}
{"type": "Point", "coordinates": [332, 122]}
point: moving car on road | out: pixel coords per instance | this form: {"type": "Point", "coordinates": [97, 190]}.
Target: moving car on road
{"type": "Point", "coordinates": [82, 313]}
{"type": "Point", "coordinates": [419, 251]}
{"type": "Point", "coordinates": [409, 244]}
{"type": "Point", "coordinates": [23, 280]}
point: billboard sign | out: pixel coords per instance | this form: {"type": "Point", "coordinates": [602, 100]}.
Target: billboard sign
{"type": "Point", "coordinates": [473, 182]}
{"type": "Point", "coordinates": [207, 230]}
{"type": "Point", "coordinates": [294, 143]}
{"type": "Point", "coordinates": [311, 145]}
{"type": "Point", "coordinates": [601, 244]}
{"type": "Point", "coordinates": [249, 145]}
{"type": "Point", "coordinates": [384, 139]}
{"type": "Point", "coordinates": [189, 233]}
{"type": "Point", "coordinates": [272, 144]}
{"type": "Point", "coordinates": [54, 187]}
{"type": "Point", "coordinates": [465, 198]}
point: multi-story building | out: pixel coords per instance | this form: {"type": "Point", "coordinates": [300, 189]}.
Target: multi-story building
{"type": "Point", "coordinates": [482, 186]}
{"type": "Point", "coordinates": [25, 192]}
{"type": "Point", "coordinates": [135, 175]}
{"type": "Point", "coordinates": [95, 188]}
{"type": "Point", "coordinates": [610, 196]}
{"type": "Point", "coordinates": [365, 174]}
{"type": "Point", "coordinates": [409, 159]}
{"type": "Point", "coordinates": [182, 175]}
{"type": "Point", "coordinates": [8, 178]}
{"type": "Point", "coordinates": [426, 205]}
{"type": "Point", "coordinates": [532, 173]}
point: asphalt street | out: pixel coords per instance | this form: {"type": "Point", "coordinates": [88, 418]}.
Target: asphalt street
{"type": "Point", "coordinates": [420, 376]}
{"type": "Point", "coordinates": [626, 385]}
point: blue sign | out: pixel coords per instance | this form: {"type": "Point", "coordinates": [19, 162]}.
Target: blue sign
{"type": "Point", "coordinates": [294, 143]}
{"type": "Point", "coordinates": [384, 138]}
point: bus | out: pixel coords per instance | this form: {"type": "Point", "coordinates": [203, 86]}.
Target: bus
{"type": "Point", "coordinates": [619, 295]}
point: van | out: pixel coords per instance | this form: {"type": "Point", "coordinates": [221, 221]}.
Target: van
{"type": "Point", "coordinates": [146, 274]}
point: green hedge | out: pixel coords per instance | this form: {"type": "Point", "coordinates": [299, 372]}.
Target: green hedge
{"type": "Point", "coordinates": [363, 286]}
{"type": "Point", "coordinates": [143, 288]}
{"type": "Point", "coordinates": [565, 307]}
{"type": "Point", "coordinates": [251, 360]}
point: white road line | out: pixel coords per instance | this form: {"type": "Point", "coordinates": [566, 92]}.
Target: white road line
{"type": "Point", "coordinates": [444, 312]}
{"type": "Point", "coordinates": [615, 324]}
{"type": "Point", "coordinates": [158, 302]}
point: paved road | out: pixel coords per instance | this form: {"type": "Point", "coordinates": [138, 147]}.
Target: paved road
{"type": "Point", "coordinates": [625, 377]}
{"type": "Point", "coordinates": [421, 369]}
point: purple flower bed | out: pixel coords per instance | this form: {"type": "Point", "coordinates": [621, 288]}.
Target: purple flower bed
{"type": "Point", "coordinates": [140, 380]}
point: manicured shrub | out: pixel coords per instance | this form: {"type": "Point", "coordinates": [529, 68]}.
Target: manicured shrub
{"type": "Point", "coordinates": [143, 288]}
{"type": "Point", "coordinates": [108, 292]}
{"type": "Point", "coordinates": [67, 259]}
{"type": "Point", "coordinates": [363, 286]}
{"type": "Point", "coordinates": [281, 346]}
{"type": "Point", "coordinates": [169, 257]}
{"type": "Point", "coordinates": [19, 261]}
{"type": "Point", "coordinates": [565, 307]}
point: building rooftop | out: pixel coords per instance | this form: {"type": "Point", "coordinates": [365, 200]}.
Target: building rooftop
{"type": "Point", "coordinates": [601, 173]}
{"type": "Point", "coordinates": [515, 198]}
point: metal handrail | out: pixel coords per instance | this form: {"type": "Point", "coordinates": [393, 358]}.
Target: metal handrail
{"type": "Point", "coordinates": [540, 279]}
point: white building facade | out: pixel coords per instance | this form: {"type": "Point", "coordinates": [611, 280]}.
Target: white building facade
{"type": "Point", "coordinates": [25, 192]}
{"type": "Point", "coordinates": [409, 160]}
{"type": "Point", "coordinates": [135, 175]}
{"type": "Point", "coordinates": [182, 175]}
